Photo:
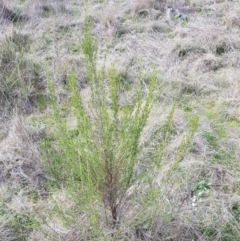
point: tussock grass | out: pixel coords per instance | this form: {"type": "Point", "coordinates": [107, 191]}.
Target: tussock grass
{"type": "Point", "coordinates": [21, 81]}
{"type": "Point", "coordinates": [22, 182]}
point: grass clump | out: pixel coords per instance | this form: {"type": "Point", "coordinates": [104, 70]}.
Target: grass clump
{"type": "Point", "coordinates": [15, 222]}
{"type": "Point", "coordinates": [98, 162]}
{"type": "Point", "coordinates": [21, 80]}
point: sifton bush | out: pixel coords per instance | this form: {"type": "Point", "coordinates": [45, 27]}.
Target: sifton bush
{"type": "Point", "coordinates": [97, 164]}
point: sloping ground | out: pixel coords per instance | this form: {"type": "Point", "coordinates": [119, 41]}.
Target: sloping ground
{"type": "Point", "coordinates": [197, 62]}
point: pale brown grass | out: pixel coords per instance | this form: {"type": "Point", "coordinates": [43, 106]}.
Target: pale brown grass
{"type": "Point", "coordinates": [197, 62]}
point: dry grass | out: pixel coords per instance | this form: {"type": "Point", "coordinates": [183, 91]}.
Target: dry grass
{"type": "Point", "coordinates": [197, 62]}
{"type": "Point", "coordinates": [22, 180]}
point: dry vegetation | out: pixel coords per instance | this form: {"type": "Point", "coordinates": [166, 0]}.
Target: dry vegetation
{"type": "Point", "coordinates": [197, 62]}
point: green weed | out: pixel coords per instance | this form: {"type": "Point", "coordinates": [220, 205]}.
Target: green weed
{"type": "Point", "coordinates": [97, 162]}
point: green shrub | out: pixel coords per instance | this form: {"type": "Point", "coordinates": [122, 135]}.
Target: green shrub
{"type": "Point", "coordinates": [98, 164]}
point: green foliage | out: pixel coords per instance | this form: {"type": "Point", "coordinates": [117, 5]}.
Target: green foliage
{"type": "Point", "coordinates": [230, 232]}
{"type": "Point", "coordinates": [96, 162]}
{"type": "Point", "coordinates": [220, 154]}
{"type": "Point", "coordinates": [202, 185]}
{"type": "Point", "coordinates": [226, 232]}
{"type": "Point", "coordinates": [211, 139]}
{"type": "Point", "coordinates": [20, 224]}
{"type": "Point", "coordinates": [184, 147]}
{"type": "Point", "coordinates": [201, 188]}
{"type": "Point", "coordinates": [235, 210]}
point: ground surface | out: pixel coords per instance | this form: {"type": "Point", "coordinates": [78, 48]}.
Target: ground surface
{"type": "Point", "coordinates": [197, 62]}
